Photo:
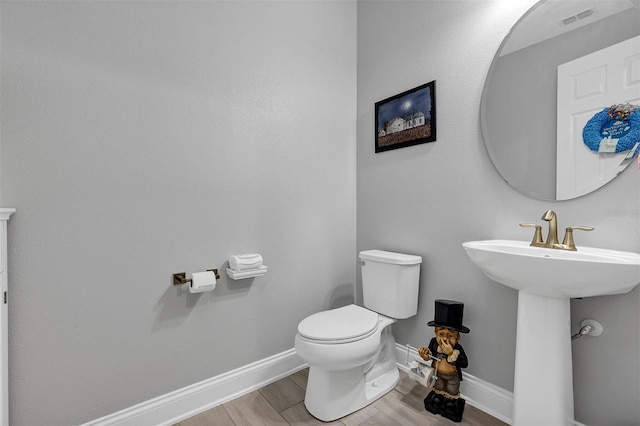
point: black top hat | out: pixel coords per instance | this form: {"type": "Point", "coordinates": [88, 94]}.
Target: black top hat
{"type": "Point", "coordinates": [449, 315]}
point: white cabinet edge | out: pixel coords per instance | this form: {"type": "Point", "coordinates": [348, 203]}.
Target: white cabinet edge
{"type": "Point", "coordinates": [5, 213]}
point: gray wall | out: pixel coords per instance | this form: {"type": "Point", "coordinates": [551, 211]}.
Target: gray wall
{"type": "Point", "coordinates": [141, 139]}
{"type": "Point", "coordinates": [430, 198]}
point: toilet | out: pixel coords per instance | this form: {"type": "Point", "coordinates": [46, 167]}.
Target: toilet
{"type": "Point", "coordinates": [350, 350]}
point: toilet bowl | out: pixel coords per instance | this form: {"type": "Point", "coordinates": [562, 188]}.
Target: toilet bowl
{"type": "Point", "coordinates": [347, 372]}
{"type": "Point", "coordinates": [351, 350]}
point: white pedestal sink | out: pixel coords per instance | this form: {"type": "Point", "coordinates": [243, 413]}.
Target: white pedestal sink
{"type": "Point", "coordinates": [546, 280]}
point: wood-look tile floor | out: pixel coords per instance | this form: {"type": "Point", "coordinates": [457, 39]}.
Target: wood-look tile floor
{"type": "Point", "coordinates": [281, 403]}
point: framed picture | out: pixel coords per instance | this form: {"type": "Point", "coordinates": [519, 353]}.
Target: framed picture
{"type": "Point", "coordinates": [406, 119]}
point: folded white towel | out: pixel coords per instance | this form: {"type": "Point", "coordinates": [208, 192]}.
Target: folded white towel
{"type": "Point", "coordinates": [243, 262]}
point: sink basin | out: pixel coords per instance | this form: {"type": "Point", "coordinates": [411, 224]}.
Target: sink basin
{"type": "Point", "coordinates": [556, 273]}
{"type": "Point", "coordinates": [546, 280]}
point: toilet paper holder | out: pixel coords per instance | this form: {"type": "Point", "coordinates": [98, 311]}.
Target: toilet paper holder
{"type": "Point", "coordinates": [180, 278]}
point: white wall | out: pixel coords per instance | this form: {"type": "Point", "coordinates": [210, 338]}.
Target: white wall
{"type": "Point", "coordinates": [428, 199]}
{"type": "Point", "coordinates": [140, 139]}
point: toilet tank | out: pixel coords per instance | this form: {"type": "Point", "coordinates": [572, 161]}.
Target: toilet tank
{"type": "Point", "coordinates": [390, 282]}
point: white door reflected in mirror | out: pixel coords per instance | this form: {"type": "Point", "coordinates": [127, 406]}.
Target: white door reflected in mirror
{"type": "Point", "coordinates": [585, 86]}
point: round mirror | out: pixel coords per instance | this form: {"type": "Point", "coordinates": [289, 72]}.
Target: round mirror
{"type": "Point", "coordinates": [562, 62]}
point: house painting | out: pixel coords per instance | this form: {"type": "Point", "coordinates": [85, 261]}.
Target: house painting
{"type": "Point", "coordinates": [406, 119]}
{"type": "Point", "coordinates": [415, 120]}
{"type": "Point", "coordinates": [395, 125]}
{"type": "Point", "coordinates": [399, 124]}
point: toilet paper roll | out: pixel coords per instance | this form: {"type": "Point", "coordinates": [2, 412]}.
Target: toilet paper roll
{"type": "Point", "coordinates": [422, 374]}
{"type": "Point", "coordinates": [202, 281]}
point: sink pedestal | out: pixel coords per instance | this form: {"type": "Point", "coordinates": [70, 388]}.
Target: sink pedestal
{"type": "Point", "coordinates": [543, 384]}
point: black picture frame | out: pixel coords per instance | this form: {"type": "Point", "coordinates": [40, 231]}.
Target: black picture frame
{"type": "Point", "coordinates": [406, 119]}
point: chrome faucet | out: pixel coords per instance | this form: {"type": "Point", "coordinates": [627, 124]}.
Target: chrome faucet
{"type": "Point", "coordinates": [552, 237]}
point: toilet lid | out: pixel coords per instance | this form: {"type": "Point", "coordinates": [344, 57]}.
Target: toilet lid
{"type": "Point", "coordinates": [346, 323]}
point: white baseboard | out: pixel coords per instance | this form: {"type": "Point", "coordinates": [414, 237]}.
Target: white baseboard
{"type": "Point", "coordinates": [481, 394]}
{"type": "Point", "coordinates": [191, 400]}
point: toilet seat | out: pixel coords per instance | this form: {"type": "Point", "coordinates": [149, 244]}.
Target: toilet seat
{"type": "Point", "coordinates": [341, 325]}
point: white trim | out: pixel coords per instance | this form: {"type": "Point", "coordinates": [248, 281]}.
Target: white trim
{"type": "Point", "coordinates": [4, 318]}
{"type": "Point", "coordinates": [191, 400]}
{"type": "Point", "coordinates": [183, 403]}
{"type": "Point", "coordinates": [6, 213]}
{"type": "Point", "coordinates": [481, 394]}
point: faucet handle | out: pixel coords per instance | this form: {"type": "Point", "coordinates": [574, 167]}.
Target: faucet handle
{"type": "Point", "coordinates": [537, 235]}
{"type": "Point", "coordinates": [567, 242]}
